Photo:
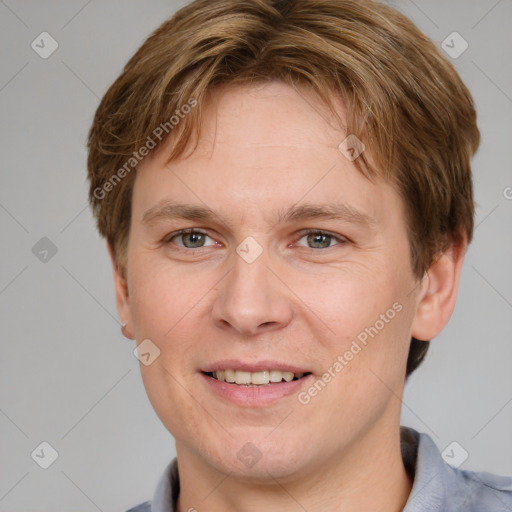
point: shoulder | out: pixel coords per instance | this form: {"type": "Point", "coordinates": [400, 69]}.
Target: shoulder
{"type": "Point", "coordinates": [438, 485]}
{"type": "Point", "coordinates": [486, 491]}
{"type": "Point", "coordinates": [166, 493]}
{"type": "Point", "coordinates": [143, 507]}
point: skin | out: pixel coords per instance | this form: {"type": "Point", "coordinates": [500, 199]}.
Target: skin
{"type": "Point", "coordinates": [302, 301]}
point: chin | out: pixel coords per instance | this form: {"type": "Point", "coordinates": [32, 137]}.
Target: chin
{"type": "Point", "coordinates": [260, 461]}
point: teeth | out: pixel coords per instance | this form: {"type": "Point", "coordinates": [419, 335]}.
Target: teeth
{"type": "Point", "coordinates": [259, 378]}
{"type": "Point", "coordinates": [242, 377]}
{"type": "Point", "coordinates": [255, 378]}
{"type": "Point", "coordinates": [229, 375]}
{"type": "Point", "coordinates": [276, 376]}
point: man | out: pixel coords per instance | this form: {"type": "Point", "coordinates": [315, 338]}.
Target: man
{"type": "Point", "coordinates": [285, 189]}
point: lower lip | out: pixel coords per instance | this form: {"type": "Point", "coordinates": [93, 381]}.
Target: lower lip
{"type": "Point", "coordinates": [254, 396]}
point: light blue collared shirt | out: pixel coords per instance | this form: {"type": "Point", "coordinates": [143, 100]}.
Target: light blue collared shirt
{"type": "Point", "coordinates": [437, 487]}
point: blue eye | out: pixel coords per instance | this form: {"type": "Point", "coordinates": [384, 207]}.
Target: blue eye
{"type": "Point", "coordinates": [320, 239]}
{"type": "Point", "coordinates": [190, 239]}
{"type": "Point", "coordinates": [195, 239]}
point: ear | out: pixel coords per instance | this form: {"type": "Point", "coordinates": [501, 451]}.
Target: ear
{"type": "Point", "coordinates": [122, 297]}
{"type": "Point", "coordinates": [438, 291]}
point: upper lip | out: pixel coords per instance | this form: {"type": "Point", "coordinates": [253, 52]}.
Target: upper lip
{"type": "Point", "coordinates": [254, 366]}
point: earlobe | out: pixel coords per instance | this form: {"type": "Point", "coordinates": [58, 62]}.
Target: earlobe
{"type": "Point", "coordinates": [122, 296]}
{"type": "Point", "coordinates": [436, 300]}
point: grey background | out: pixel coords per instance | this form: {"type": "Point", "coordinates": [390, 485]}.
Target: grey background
{"type": "Point", "coordinates": [67, 374]}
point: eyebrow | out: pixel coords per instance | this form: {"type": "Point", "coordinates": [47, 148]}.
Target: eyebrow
{"type": "Point", "coordinates": [167, 210]}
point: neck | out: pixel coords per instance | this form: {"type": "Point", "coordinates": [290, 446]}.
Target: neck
{"type": "Point", "coordinates": [371, 477]}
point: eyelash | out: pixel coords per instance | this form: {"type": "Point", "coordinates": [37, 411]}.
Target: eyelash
{"type": "Point", "coordinates": [341, 240]}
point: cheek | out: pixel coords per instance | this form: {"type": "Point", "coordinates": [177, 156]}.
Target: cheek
{"type": "Point", "coordinates": [369, 318]}
{"type": "Point", "coordinates": [350, 301]}
{"type": "Point", "coordinates": [170, 400]}
{"type": "Point", "coordinates": [159, 299]}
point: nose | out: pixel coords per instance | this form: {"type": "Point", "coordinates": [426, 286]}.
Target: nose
{"type": "Point", "coordinates": [251, 299]}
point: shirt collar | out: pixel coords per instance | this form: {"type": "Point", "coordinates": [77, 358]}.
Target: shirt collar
{"type": "Point", "coordinates": [167, 490]}
{"type": "Point", "coordinates": [431, 475]}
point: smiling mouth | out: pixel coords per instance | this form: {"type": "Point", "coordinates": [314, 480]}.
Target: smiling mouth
{"type": "Point", "coordinates": [255, 379]}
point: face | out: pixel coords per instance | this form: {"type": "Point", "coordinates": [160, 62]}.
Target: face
{"type": "Point", "coordinates": [292, 263]}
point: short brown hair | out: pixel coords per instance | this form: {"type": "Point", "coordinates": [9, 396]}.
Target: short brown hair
{"type": "Point", "coordinates": [403, 98]}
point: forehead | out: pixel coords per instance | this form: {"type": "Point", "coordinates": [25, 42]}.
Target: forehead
{"type": "Point", "coordinates": [271, 120]}
{"type": "Point", "coordinates": [262, 146]}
